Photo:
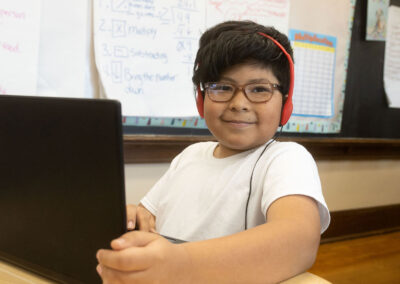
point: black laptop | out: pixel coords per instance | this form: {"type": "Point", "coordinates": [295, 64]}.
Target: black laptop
{"type": "Point", "coordinates": [61, 184]}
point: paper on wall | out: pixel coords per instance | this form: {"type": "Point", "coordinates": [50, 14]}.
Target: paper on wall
{"type": "Point", "coordinates": [391, 71]}
{"type": "Point", "coordinates": [265, 12]}
{"type": "Point", "coordinates": [314, 54]}
{"type": "Point", "coordinates": [145, 52]}
{"type": "Point", "coordinates": [65, 54]}
{"type": "Point", "coordinates": [376, 19]}
{"type": "Point", "coordinates": [19, 43]}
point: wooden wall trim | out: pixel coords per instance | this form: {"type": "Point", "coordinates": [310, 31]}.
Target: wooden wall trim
{"type": "Point", "coordinates": [163, 148]}
{"type": "Point", "coordinates": [354, 223]}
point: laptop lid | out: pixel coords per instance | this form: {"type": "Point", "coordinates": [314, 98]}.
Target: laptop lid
{"type": "Point", "coordinates": [61, 184]}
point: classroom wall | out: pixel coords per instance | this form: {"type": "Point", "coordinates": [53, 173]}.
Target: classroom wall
{"type": "Point", "coordinates": [346, 184]}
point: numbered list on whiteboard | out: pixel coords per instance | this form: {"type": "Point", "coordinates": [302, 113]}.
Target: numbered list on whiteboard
{"type": "Point", "coordinates": [145, 51]}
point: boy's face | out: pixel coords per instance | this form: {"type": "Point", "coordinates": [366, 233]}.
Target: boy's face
{"type": "Point", "coordinates": [239, 124]}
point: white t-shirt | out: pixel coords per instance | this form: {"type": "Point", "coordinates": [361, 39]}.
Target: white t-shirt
{"type": "Point", "coordinates": [202, 197]}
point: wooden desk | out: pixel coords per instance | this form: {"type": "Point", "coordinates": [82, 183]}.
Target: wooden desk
{"type": "Point", "coordinates": [10, 274]}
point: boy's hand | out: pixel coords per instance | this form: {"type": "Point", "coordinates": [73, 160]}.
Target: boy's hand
{"type": "Point", "coordinates": [141, 257]}
{"type": "Point", "coordinates": [140, 218]}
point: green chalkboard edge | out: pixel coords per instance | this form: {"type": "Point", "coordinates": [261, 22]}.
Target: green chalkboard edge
{"type": "Point", "coordinates": [163, 148]}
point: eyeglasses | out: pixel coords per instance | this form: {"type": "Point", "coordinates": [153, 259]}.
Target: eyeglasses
{"type": "Point", "coordinates": [255, 92]}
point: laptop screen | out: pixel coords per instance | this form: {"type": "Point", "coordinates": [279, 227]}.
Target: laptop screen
{"type": "Point", "coordinates": [61, 184]}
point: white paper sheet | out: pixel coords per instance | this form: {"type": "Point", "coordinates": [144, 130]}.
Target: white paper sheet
{"type": "Point", "coordinates": [391, 69]}
{"type": "Point", "coordinates": [145, 52]}
{"type": "Point", "coordinates": [65, 55]}
{"type": "Point", "coordinates": [19, 43]}
{"type": "Point", "coordinates": [376, 20]}
{"type": "Point", "coordinates": [266, 12]}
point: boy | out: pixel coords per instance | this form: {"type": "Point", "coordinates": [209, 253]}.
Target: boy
{"type": "Point", "coordinates": [251, 207]}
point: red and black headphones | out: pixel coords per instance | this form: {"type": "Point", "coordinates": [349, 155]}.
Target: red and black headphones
{"type": "Point", "coordinates": [288, 106]}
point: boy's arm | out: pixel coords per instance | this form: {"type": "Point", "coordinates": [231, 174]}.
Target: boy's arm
{"type": "Point", "coordinates": [283, 247]}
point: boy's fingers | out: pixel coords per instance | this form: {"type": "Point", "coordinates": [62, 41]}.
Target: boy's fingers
{"type": "Point", "coordinates": [112, 275]}
{"type": "Point", "coordinates": [134, 239]}
{"type": "Point", "coordinates": [144, 219]}
{"type": "Point", "coordinates": [131, 216]}
{"type": "Point", "coordinates": [153, 225]}
{"type": "Point", "coordinates": [131, 225]}
{"type": "Point", "coordinates": [139, 218]}
{"type": "Point", "coordinates": [130, 259]}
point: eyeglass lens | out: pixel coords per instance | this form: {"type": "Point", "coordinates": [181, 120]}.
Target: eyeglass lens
{"type": "Point", "coordinates": [259, 92]}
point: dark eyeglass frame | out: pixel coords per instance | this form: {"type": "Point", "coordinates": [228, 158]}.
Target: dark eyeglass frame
{"type": "Point", "coordinates": [242, 88]}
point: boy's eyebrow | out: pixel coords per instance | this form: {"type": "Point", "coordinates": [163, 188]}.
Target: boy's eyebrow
{"type": "Point", "coordinates": [258, 80]}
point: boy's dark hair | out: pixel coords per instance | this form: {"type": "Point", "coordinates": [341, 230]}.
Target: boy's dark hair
{"type": "Point", "coordinates": [235, 42]}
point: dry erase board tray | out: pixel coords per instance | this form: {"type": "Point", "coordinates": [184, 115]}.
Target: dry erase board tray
{"type": "Point", "coordinates": [197, 126]}
{"type": "Point", "coordinates": [164, 125]}
{"type": "Point", "coordinates": [159, 130]}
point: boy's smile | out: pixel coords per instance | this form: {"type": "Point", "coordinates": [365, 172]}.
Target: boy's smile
{"type": "Point", "coordinates": [239, 124]}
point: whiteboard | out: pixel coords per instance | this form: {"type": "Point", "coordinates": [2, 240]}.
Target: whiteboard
{"type": "Point", "coordinates": [66, 56]}
{"type": "Point", "coordinates": [145, 50]}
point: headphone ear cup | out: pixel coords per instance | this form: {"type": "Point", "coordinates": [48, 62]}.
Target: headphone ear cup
{"type": "Point", "coordinates": [288, 106]}
{"type": "Point", "coordinates": [200, 102]}
{"type": "Point", "coordinates": [286, 111]}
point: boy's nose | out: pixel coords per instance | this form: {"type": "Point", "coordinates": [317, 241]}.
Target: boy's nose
{"type": "Point", "coordinates": [239, 101]}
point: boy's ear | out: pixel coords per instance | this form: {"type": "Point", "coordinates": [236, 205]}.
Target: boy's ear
{"type": "Point", "coordinates": [285, 97]}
